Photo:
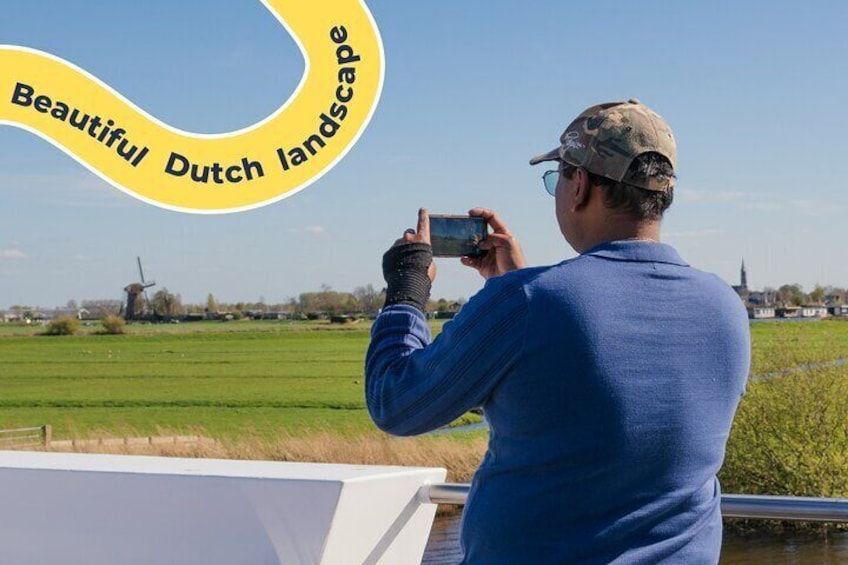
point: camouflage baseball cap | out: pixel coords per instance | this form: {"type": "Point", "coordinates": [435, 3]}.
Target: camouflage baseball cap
{"type": "Point", "coordinates": [606, 138]}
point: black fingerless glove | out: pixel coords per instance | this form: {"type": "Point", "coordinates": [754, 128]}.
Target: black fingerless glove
{"type": "Point", "coordinates": [405, 270]}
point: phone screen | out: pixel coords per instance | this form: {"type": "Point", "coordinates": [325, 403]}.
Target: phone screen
{"type": "Point", "coordinates": [457, 236]}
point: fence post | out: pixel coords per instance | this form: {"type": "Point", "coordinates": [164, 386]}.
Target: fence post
{"type": "Point", "coordinates": [48, 435]}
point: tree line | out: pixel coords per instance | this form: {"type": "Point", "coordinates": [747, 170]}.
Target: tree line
{"type": "Point", "coordinates": [363, 300]}
{"type": "Point", "coordinates": [366, 300]}
{"type": "Point", "coordinates": [794, 295]}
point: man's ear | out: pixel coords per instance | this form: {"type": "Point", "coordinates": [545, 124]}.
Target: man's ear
{"type": "Point", "coordinates": [582, 188]}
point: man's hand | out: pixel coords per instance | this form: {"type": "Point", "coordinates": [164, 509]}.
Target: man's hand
{"type": "Point", "coordinates": [420, 235]}
{"type": "Point", "coordinates": [503, 254]}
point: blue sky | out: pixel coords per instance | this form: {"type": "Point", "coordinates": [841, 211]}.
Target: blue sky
{"type": "Point", "coordinates": [754, 91]}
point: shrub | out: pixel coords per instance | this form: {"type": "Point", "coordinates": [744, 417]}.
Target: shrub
{"type": "Point", "coordinates": [64, 325]}
{"type": "Point", "coordinates": [113, 325]}
{"type": "Point", "coordinates": [790, 436]}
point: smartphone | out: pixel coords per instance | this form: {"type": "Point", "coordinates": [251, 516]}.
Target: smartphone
{"type": "Point", "coordinates": [457, 236]}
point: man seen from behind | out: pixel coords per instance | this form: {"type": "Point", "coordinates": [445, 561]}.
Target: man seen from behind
{"type": "Point", "coordinates": [609, 380]}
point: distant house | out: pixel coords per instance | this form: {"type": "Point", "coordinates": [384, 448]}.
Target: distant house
{"type": "Point", "coordinates": [813, 311]}
{"type": "Point", "coordinates": [44, 315]}
{"type": "Point", "coordinates": [66, 312]}
{"type": "Point", "coordinates": [761, 298]}
{"type": "Point", "coordinates": [84, 314]}
{"type": "Point", "coordinates": [838, 310]}
{"type": "Point", "coordinates": [12, 317]}
{"type": "Point", "coordinates": [317, 315]}
{"type": "Point", "coordinates": [802, 312]}
{"type": "Point", "coordinates": [452, 309]}
{"type": "Point", "coordinates": [834, 299]}
{"type": "Point", "coordinates": [219, 315]}
{"type": "Point", "coordinates": [760, 312]}
{"type": "Point", "coordinates": [275, 315]}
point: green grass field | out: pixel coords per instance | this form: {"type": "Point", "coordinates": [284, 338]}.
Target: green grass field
{"type": "Point", "coordinates": [777, 346]}
{"type": "Point", "coordinates": [229, 379]}
{"type": "Point", "coordinates": [220, 379]}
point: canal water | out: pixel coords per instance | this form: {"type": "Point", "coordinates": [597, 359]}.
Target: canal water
{"type": "Point", "coordinates": [756, 549]}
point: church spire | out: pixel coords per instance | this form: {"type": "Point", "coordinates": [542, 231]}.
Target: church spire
{"type": "Point", "coordinates": [743, 275]}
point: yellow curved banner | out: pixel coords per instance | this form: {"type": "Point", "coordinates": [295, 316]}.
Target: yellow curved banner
{"type": "Point", "coordinates": [218, 173]}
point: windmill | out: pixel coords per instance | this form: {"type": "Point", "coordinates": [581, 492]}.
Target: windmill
{"type": "Point", "coordinates": [133, 290]}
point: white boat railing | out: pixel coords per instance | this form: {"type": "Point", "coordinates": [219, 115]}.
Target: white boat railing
{"type": "Point", "coordinates": [790, 508]}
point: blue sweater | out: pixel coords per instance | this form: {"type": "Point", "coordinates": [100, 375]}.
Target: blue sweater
{"type": "Point", "coordinates": [609, 382]}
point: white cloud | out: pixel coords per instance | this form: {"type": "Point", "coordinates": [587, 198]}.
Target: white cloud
{"type": "Point", "coordinates": [12, 254]}
{"type": "Point", "coordinates": [317, 230]}
{"type": "Point", "coordinates": [816, 208]}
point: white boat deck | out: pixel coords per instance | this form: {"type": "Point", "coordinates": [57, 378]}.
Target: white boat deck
{"type": "Point", "coordinates": [81, 508]}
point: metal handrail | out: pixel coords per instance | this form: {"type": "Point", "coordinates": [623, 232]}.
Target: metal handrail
{"type": "Point", "coordinates": [444, 493]}
{"type": "Point", "coordinates": [790, 508]}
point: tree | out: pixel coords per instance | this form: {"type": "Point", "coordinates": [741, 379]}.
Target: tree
{"type": "Point", "coordinates": [817, 294]}
{"type": "Point", "coordinates": [167, 304]}
{"type": "Point", "coordinates": [368, 299]}
{"type": "Point", "coordinates": [327, 300]}
{"type": "Point", "coordinates": [101, 308]}
{"type": "Point", "coordinates": [791, 294]}
{"type": "Point", "coordinates": [194, 308]}
{"type": "Point", "coordinates": [211, 303]}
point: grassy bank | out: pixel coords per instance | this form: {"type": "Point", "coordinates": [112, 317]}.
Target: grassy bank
{"type": "Point", "coordinates": [790, 437]}
{"type": "Point", "coordinates": [790, 434]}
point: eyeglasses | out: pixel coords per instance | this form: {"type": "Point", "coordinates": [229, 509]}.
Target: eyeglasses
{"type": "Point", "coordinates": [551, 178]}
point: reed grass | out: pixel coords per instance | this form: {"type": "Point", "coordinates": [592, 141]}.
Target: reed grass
{"type": "Point", "coordinates": [459, 455]}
